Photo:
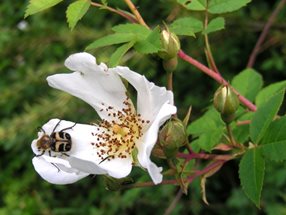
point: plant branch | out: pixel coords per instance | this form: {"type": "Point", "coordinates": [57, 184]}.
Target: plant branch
{"type": "Point", "coordinates": [134, 10]}
{"type": "Point", "coordinates": [124, 14]}
{"type": "Point", "coordinates": [264, 33]}
{"type": "Point", "coordinates": [205, 156]}
{"type": "Point", "coordinates": [208, 51]}
{"type": "Point", "coordinates": [216, 77]}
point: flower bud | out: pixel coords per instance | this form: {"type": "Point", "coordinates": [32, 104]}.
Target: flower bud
{"type": "Point", "coordinates": [114, 184]}
{"type": "Point", "coordinates": [170, 45]}
{"type": "Point", "coordinates": [172, 136]}
{"type": "Point", "coordinates": [226, 102]}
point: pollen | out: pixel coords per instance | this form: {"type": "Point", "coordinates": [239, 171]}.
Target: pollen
{"type": "Point", "coordinates": [117, 136]}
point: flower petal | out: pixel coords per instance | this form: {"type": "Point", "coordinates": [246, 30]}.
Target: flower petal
{"type": "Point", "coordinates": [83, 155]}
{"type": "Point", "coordinates": [51, 174]}
{"type": "Point", "coordinates": [117, 167]}
{"type": "Point", "coordinates": [147, 142]}
{"type": "Point", "coordinates": [150, 97]}
{"type": "Point", "coordinates": [81, 138]}
{"type": "Point", "coordinates": [94, 84]}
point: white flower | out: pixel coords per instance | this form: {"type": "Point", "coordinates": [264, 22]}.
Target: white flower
{"type": "Point", "coordinates": [123, 136]}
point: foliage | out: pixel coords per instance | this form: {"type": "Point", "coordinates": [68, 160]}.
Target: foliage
{"type": "Point", "coordinates": [30, 54]}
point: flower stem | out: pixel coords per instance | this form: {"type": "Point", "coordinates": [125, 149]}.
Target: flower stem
{"type": "Point", "coordinates": [216, 77]}
{"type": "Point", "coordinates": [263, 34]}
{"type": "Point", "coordinates": [170, 81]}
{"type": "Point", "coordinates": [134, 10]}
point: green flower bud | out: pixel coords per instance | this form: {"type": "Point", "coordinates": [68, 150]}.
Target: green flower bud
{"type": "Point", "coordinates": [114, 184]}
{"type": "Point", "coordinates": [226, 102]}
{"type": "Point", "coordinates": [172, 136]}
{"type": "Point", "coordinates": [170, 45]}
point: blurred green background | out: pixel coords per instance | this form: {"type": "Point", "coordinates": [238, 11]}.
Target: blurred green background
{"type": "Point", "coordinates": [36, 47]}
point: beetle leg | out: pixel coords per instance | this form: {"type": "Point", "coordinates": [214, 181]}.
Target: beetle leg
{"type": "Point", "coordinates": [43, 152]}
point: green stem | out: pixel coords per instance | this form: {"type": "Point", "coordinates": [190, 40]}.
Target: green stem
{"type": "Point", "coordinates": [208, 51]}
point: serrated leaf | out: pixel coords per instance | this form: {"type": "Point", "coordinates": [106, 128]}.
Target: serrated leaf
{"type": "Point", "coordinates": [76, 11]}
{"type": "Point", "coordinates": [209, 130]}
{"type": "Point", "coordinates": [273, 144]}
{"type": "Point", "coordinates": [111, 39]}
{"type": "Point", "coordinates": [36, 6]}
{"type": "Point", "coordinates": [264, 116]}
{"type": "Point", "coordinates": [225, 6]}
{"type": "Point", "coordinates": [266, 93]}
{"type": "Point", "coordinates": [119, 53]}
{"type": "Point", "coordinates": [248, 83]}
{"type": "Point", "coordinates": [140, 31]}
{"type": "Point", "coordinates": [187, 26]}
{"type": "Point", "coordinates": [151, 44]}
{"type": "Point", "coordinates": [214, 25]}
{"type": "Point", "coordinates": [197, 5]}
{"type": "Point", "coordinates": [251, 174]}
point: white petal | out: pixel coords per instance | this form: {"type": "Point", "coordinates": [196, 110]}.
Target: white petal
{"type": "Point", "coordinates": [51, 174]}
{"type": "Point", "coordinates": [94, 84]}
{"type": "Point", "coordinates": [150, 97]}
{"type": "Point", "coordinates": [87, 161]}
{"type": "Point", "coordinates": [81, 136]}
{"type": "Point", "coordinates": [83, 154]}
{"type": "Point", "coordinates": [147, 142]}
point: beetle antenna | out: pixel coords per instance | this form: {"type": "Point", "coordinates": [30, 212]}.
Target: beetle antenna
{"type": "Point", "coordinates": [57, 125]}
{"type": "Point", "coordinates": [68, 127]}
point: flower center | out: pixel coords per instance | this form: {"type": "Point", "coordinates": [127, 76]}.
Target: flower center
{"type": "Point", "coordinates": [116, 138]}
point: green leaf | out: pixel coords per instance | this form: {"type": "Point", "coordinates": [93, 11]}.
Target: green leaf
{"type": "Point", "coordinates": [209, 129]}
{"type": "Point", "coordinates": [76, 11]}
{"type": "Point", "coordinates": [140, 31]}
{"type": "Point", "coordinates": [187, 26]}
{"type": "Point", "coordinates": [197, 5]}
{"type": "Point", "coordinates": [111, 39]}
{"type": "Point", "coordinates": [209, 140]}
{"type": "Point", "coordinates": [248, 83]}
{"type": "Point", "coordinates": [264, 116]}
{"type": "Point", "coordinates": [151, 44]}
{"type": "Point", "coordinates": [36, 6]}
{"type": "Point", "coordinates": [273, 144]}
{"type": "Point", "coordinates": [266, 93]}
{"type": "Point", "coordinates": [118, 54]}
{"type": "Point", "coordinates": [251, 174]}
{"type": "Point", "coordinates": [215, 24]}
{"type": "Point", "coordinates": [224, 6]}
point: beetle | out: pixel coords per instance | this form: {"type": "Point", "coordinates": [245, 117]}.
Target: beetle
{"type": "Point", "coordinates": [59, 141]}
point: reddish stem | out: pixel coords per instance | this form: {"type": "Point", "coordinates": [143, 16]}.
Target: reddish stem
{"type": "Point", "coordinates": [263, 34]}
{"type": "Point", "coordinates": [216, 77]}
{"type": "Point", "coordinates": [204, 156]}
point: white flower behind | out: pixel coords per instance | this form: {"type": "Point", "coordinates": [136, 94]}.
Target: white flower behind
{"type": "Point", "coordinates": [124, 132]}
